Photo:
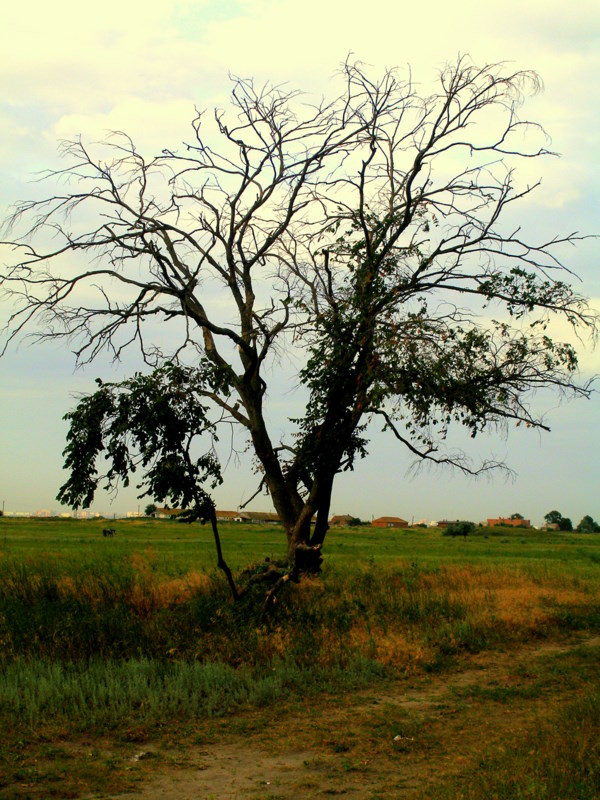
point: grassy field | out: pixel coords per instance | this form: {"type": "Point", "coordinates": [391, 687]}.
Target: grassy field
{"type": "Point", "coordinates": [134, 638]}
{"type": "Point", "coordinates": [178, 548]}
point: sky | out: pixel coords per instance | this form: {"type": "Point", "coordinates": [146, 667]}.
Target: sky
{"type": "Point", "coordinates": [70, 68]}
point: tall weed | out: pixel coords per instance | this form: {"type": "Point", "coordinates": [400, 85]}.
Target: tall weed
{"type": "Point", "coordinates": [105, 694]}
{"type": "Point", "coordinates": [403, 615]}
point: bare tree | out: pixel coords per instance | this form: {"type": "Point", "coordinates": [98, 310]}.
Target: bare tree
{"type": "Point", "coordinates": [366, 234]}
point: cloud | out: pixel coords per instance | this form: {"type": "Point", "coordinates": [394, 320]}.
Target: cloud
{"type": "Point", "coordinates": [152, 125]}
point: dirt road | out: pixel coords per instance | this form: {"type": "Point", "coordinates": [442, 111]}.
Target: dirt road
{"type": "Point", "coordinates": [375, 744]}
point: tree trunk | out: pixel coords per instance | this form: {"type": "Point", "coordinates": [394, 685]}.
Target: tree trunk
{"type": "Point", "coordinates": [299, 533]}
{"type": "Point", "coordinates": [221, 563]}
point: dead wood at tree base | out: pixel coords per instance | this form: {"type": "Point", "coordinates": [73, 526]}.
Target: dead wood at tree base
{"type": "Point", "coordinates": [307, 560]}
{"type": "Point", "coordinates": [271, 576]}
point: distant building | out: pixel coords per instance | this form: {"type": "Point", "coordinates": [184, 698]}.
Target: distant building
{"type": "Point", "coordinates": [166, 513]}
{"type": "Point", "coordinates": [257, 517]}
{"type": "Point", "coordinates": [445, 522]}
{"type": "Point", "coordinates": [340, 519]}
{"type": "Point", "coordinates": [263, 517]}
{"type": "Point", "coordinates": [232, 516]}
{"type": "Point", "coordinates": [508, 522]}
{"type": "Point", "coordinates": [389, 522]}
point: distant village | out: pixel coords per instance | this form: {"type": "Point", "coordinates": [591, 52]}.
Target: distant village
{"type": "Point", "coordinates": [271, 518]}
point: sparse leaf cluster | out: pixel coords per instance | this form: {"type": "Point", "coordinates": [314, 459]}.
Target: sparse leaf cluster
{"type": "Point", "coordinates": [149, 423]}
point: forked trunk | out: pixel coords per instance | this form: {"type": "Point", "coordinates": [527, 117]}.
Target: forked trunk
{"type": "Point", "coordinates": [298, 534]}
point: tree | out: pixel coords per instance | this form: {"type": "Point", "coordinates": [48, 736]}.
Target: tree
{"type": "Point", "coordinates": [150, 509]}
{"type": "Point", "coordinates": [556, 518]}
{"type": "Point", "coordinates": [460, 528]}
{"type": "Point", "coordinates": [553, 517]}
{"type": "Point", "coordinates": [587, 524]}
{"type": "Point", "coordinates": [364, 236]}
{"type": "Point", "coordinates": [517, 516]}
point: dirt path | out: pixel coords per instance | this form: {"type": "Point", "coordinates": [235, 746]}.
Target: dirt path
{"type": "Point", "coordinates": [370, 745]}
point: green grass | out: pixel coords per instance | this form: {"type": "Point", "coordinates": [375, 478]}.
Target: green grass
{"type": "Point", "coordinates": [117, 609]}
{"type": "Point", "coordinates": [104, 695]}
{"type": "Point", "coordinates": [178, 547]}
{"type": "Point", "coordinates": [69, 594]}
{"type": "Point", "coordinates": [403, 599]}
{"type": "Point", "coordinates": [559, 756]}
{"type": "Point", "coordinates": [96, 632]}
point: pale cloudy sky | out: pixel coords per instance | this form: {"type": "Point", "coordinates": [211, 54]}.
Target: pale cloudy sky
{"type": "Point", "coordinates": [69, 68]}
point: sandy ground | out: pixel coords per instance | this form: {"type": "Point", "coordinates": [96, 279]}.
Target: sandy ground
{"type": "Point", "coordinates": [373, 745]}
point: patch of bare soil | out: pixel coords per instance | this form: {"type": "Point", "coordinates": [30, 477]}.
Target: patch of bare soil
{"type": "Point", "coordinates": [369, 745]}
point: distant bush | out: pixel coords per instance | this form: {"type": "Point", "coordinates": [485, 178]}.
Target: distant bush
{"type": "Point", "coordinates": [588, 525]}
{"type": "Point", "coordinates": [556, 518]}
{"type": "Point", "coordinates": [460, 528]}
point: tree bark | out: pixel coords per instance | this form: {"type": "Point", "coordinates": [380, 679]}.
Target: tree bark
{"type": "Point", "coordinates": [221, 563]}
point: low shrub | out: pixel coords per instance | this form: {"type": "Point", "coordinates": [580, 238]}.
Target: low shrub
{"type": "Point", "coordinates": [461, 528]}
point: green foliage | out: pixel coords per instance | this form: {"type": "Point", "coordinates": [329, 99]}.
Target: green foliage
{"type": "Point", "coordinates": [371, 351]}
{"type": "Point", "coordinates": [461, 528]}
{"type": "Point", "coordinates": [517, 516]}
{"type": "Point", "coordinates": [588, 525]}
{"type": "Point", "coordinates": [150, 509]}
{"type": "Point", "coordinates": [149, 423]}
{"type": "Point", "coordinates": [556, 518]}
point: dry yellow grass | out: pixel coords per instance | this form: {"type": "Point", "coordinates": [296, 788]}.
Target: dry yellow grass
{"type": "Point", "coordinates": [502, 600]}
{"type": "Point", "coordinates": [401, 615]}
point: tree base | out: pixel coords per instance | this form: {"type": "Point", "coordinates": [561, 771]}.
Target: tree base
{"type": "Point", "coordinates": [307, 559]}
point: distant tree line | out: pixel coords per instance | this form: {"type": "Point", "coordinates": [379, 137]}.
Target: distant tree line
{"type": "Point", "coordinates": [587, 523]}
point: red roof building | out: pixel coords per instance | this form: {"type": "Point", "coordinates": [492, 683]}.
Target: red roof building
{"type": "Point", "coordinates": [509, 522]}
{"type": "Point", "coordinates": [389, 522]}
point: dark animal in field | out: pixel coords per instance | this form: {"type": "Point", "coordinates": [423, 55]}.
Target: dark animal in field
{"type": "Point", "coordinates": [108, 532]}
